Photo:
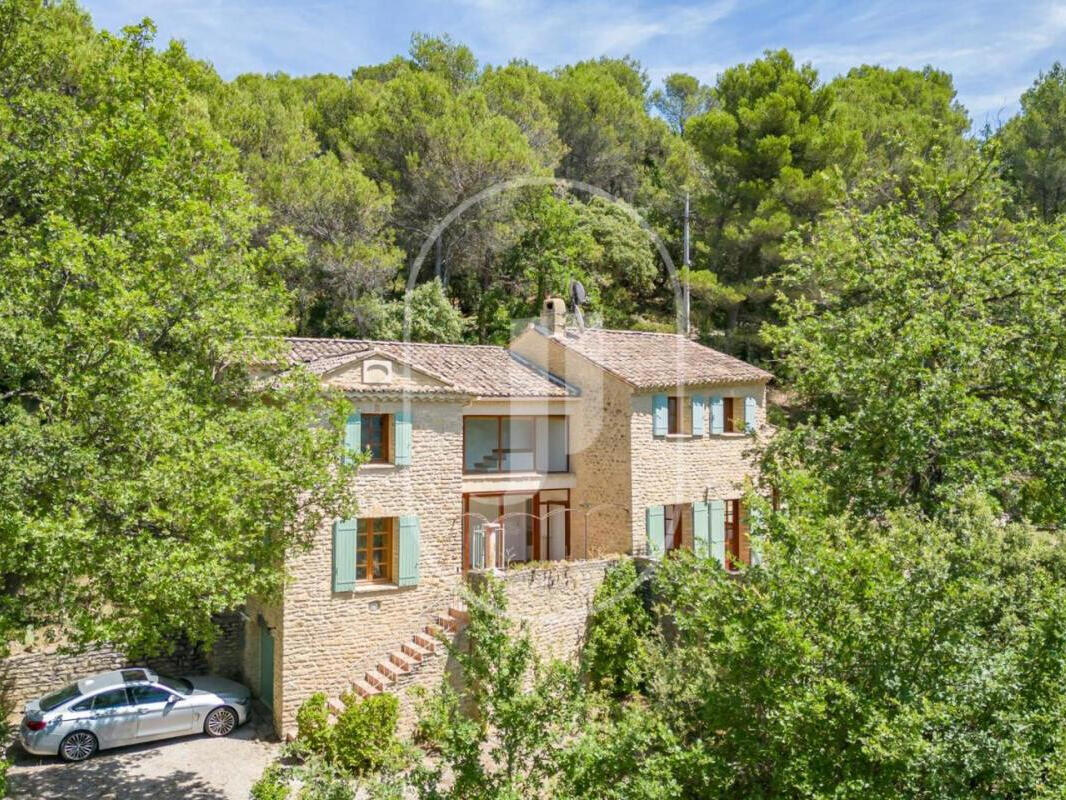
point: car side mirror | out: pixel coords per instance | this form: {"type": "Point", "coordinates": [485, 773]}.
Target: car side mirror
{"type": "Point", "coordinates": [172, 699]}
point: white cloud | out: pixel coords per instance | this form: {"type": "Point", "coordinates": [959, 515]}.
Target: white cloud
{"type": "Point", "coordinates": [992, 48]}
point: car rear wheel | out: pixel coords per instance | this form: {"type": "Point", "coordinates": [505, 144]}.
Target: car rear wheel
{"type": "Point", "coordinates": [220, 721]}
{"type": "Point", "coordinates": [77, 746]}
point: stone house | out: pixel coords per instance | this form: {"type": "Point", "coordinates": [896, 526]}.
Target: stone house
{"type": "Point", "coordinates": [541, 460]}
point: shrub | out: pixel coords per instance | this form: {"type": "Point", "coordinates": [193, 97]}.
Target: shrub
{"type": "Point", "coordinates": [313, 731]}
{"type": "Point", "coordinates": [615, 656]}
{"type": "Point", "coordinates": [890, 659]}
{"type": "Point", "coordinates": [321, 780]}
{"type": "Point", "coordinates": [498, 736]}
{"type": "Point", "coordinates": [273, 784]}
{"type": "Point", "coordinates": [364, 738]}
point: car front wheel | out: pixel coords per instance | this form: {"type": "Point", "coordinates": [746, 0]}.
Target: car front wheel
{"type": "Point", "coordinates": [220, 722]}
{"type": "Point", "coordinates": [77, 746]}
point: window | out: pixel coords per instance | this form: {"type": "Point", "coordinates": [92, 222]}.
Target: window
{"type": "Point", "coordinates": [112, 698]}
{"type": "Point", "coordinates": [481, 444]}
{"type": "Point", "coordinates": [673, 516]}
{"type": "Point", "coordinates": [375, 437]}
{"type": "Point", "coordinates": [558, 444]}
{"type": "Point", "coordinates": [373, 549]}
{"type": "Point", "coordinates": [500, 443]}
{"type": "Point", "coordinates": [518, 451]}
{"type": "Point", "coordinates": [737, 548]}
{"type": "Point", "coordinates": [678, 416]}
{"type": "Point", "coordinates": [145, 694]}
{"type": "Point", "coordinates": [733, 411]}
{"type": "Point", "coordinates": [176, 685]}
{"type": "Point", "coordinates": [56, 699]}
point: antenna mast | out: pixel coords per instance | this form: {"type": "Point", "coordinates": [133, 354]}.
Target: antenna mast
{"type": "Point", "coordinates": [686, 263]}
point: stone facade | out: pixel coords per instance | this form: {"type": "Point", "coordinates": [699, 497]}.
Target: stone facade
{"type": "Point", "coordinates": [615, 419]}
{"type": "Point", "coordinates": [326, 640]}
{"type": "Point", "coordinates": [552, 601]}
{"type": "Point", "coordinates": [329, 638]}
{"type": "Point", "coordinates": [682, 468]}
{"type": "Point", "coordinates": [599, 445]}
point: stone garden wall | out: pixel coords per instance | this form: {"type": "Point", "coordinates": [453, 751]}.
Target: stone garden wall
{"type": "Point", "coordinates": [31, 673]}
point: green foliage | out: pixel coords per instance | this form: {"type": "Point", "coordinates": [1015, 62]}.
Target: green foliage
{"type": "Point", "coordinates": [313, 731]}
{"type": "Point", "coordinates": [441, 56]}
{"type": "Point", "coordinates": [321, 780]}
{"type": "Point", "coordinates": [777, 159]}
{"type": "Point", "coordinates": [615, 656]}
{"type": "Point", "coordinates": [151, 479]}
{"type": "Point", "coordinates": [926, 350]}
{"type": "Point", "coordinates": [273, 784]}
{"type": "Point", "coordinates": [604, 126]}
{"type": "Point", "coordinates": [364, 737]}
{"type": "Point", "coordinates": [622, 754]}
{"type": "Point", "coordinates": [339, 214]}
{"type": "Point", "coordinates": [898, 658]}
{"type": "Point", "coordinates": [1034, 145]}
{"type": "Point", "coordinates": [500, 736]}
{"type": "Point", "coordinates": [681, 98]}
{"type": "Point", "coordinates": [433, 317]}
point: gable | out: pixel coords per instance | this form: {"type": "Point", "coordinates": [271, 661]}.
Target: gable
{"type": "Point", "coordinates": [376, 372]}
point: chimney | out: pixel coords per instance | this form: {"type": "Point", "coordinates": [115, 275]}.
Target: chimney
{"type": "Point", "coordinates": [553, 316]}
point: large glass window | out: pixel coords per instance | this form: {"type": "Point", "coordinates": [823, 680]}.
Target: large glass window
{"type": "Point", "coordinates": [558, 445]}
{"type": "Point", "coordinates": [515, 444]}
{"type": "Point", "coordinates": [519, 444]}
{"type": "Point", "coordinates": [482, 443]}
{"type": "Point", "coordinates": [373, 549]}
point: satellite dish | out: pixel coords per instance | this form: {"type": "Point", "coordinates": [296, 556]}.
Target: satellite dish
{"type": "Point", "coordinates": [578, 296]}
{"type": "Point", "coordinates": [577, 299]}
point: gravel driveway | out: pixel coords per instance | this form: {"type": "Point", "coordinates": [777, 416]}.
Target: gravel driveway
{"type": "Point", "coordinates": [190, 768]}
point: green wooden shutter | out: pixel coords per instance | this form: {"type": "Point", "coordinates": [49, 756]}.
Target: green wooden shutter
{"type": "Point", "coordinates": [660, 417]}
{"type": "Point", "coordinates": [750, 406]}
{"type": "Point", "coordinates": [656, 523]}
{"type": "Point", "coordinates": [407, 573]}
{"type": "Point", "coordinates": [698, 402]}
{"type": "Point", "coordinates": [716, 527]}
{"type": "Point", "coordinates": [344, 533]}
{"type": "Point", "coordinates": [353, 436]}
{"type": "Point", "coordinates": [701, 529]}
{"type": "Point", "coordinates": [717, 415]}
{"type": "Point", "coordinates": [402, 439]}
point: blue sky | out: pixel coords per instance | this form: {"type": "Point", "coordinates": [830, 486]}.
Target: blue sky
{"type": "Point", "coordinates": [993, 49]}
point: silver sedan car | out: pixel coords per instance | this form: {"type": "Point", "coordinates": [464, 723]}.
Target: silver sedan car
{"type": "Point", "coordinates": [130, 706]}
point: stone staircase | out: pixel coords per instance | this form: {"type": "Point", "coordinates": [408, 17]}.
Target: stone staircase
{"type": "Point", "coordinates": [399, 667]}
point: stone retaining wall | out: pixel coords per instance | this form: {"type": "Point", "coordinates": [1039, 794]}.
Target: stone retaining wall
{"type": "Point", "coordinates": [553, 601]}
{"type": "Point", "coordinates": [28, 675]}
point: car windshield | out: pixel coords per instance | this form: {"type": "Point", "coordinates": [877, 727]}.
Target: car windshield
{"type": "Point", "coordinates": [179, 685]}
{"type": "Point", "coordinates": [56, 699]}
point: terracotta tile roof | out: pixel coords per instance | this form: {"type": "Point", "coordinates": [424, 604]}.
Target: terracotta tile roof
{"type": "Point", "coordinates": [484, 370]}
{"type": "Point", "coordinates": [648, 360]}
